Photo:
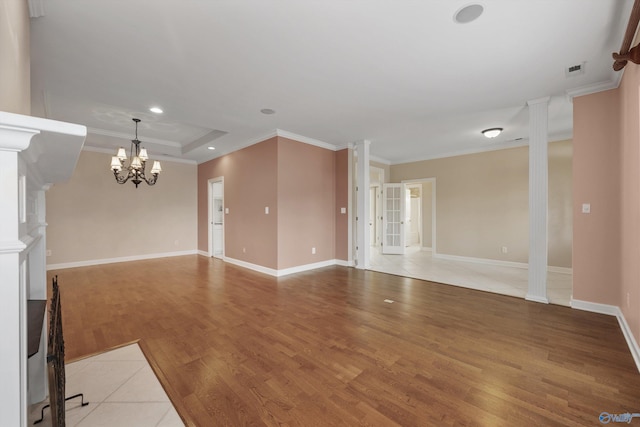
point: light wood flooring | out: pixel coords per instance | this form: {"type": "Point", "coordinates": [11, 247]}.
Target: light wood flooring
{"type": "Point", "coordinates": [233, 347]}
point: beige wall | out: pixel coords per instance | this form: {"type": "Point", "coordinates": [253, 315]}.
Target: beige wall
{"type": "Point", "coordinates": [306, 203]}
{"type": "Point", "coordinates": [607, 175]}
{"type": "Point", "coordinates": [482, 202]}
{"type": "Point", "coordinates": [91, 217]}
{"type": "Point", "coordinates": [15, 84]}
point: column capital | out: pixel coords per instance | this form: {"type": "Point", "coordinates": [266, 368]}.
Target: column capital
{"type": "Point", "coordinates": [362, 142]}
{"type": "Point", "coordinates": [543, 100]}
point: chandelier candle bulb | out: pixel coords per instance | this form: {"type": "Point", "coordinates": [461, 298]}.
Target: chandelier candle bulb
{"type": "Point", "coordinates": [156, 169]}
{"type": "Point", "coordinates": [115, 164]}
{"type": "Point", "coordinates": [136, 163]}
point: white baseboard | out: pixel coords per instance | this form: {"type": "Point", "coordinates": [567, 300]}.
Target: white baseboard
{"type": "Point", "coordinates": [426, 249]}
{"type": "Point", "coordinates": [561, 270]}
{"type": "Point", "coordinates": [487, 261]}
{"type": "Point", "coordinates": [344, 263]}
{"type": "Point", "coordinates": [203, 253]}
{"type": "Point", "coordinates": [250, 266]}
{"type": "Point", "coordinates": [536, 298]}
{"type": "Point", "coordinates": [285, 271]}
{"type": "Point", "coordinates": [612, 310]}
{"type": "Point", "coordinates": [119, 259]}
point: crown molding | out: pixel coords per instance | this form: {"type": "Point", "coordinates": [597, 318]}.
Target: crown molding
{"type": "Point", "coordinates": [306, 140]}
{"type": "Point", "coordinates": [155, 157]}
{"type": "Point", "coordinates": [593, 88]}
{"type": "Point", "coordinates": [127, 136]}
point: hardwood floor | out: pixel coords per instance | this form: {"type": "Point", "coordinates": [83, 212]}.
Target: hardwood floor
{"type": "Point", "coordinates": [235, 347]}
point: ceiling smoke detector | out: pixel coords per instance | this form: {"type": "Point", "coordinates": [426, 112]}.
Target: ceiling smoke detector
{"type": "Point", "coordinates": [468, 13]}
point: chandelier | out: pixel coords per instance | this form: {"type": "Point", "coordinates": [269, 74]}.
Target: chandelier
{"type": "Point", "coordinates": [135, 170]}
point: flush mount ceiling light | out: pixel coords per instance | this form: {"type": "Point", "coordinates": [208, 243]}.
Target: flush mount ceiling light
{"type": "Point", "coordinates": [156, 110]}
{"type": "Point", "coordinates": [211, 148]}
{"type": "Point", "coordinates": [468, 13]}
{"type": "Point", "coordinates": [267, 111]}
{"type": "Point", "coordinates": [492, 132]}
{"type": "Point", "coordinates": [135, 170]}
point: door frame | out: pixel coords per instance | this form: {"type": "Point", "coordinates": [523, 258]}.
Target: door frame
{"type": "Point", "coordinates": [400, 248]}
{"type": "Point", "coordinates": [433, 206]}
{"type": "Point", "coordinates": [378, 183]}
{"type": "Point", "coordinates": [210, 183]}
{"type": "Point", "coordinates": [408, 186]}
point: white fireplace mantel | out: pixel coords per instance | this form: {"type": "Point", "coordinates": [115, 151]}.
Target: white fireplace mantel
{"type": "Point", "coordinates": [34, 154]}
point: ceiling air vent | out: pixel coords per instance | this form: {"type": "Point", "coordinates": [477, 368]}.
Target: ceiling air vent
{"type": "Point", "coordinates": [574, 70]}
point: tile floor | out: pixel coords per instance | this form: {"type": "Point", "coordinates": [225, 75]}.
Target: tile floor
{"type": "Point", "coordinates": [491, 278]}
{"type": "Point", "coordinates": [121, 389]}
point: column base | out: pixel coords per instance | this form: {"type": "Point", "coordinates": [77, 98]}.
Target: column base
{"type": "Point", "coordinates": [537, 298]}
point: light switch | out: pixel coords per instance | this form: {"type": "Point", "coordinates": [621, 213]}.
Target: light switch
{"type": "Point", "coordinates": [226, 210]}
{"type": "Point", "coordinates": [266, 210]}
{"type": "Point", "coordinates": [586, 208]}
{"type": "Point", "coordinates": [343, 210]}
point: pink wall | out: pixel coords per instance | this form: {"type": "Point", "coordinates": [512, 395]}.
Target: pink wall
{"type": "Point", "coordinates": [298, 183]}
{"type": "Point", "coordinates": [250, 183]}
{"type": "Point", "coordinates": [596, 165]}
{"type": "Point", "coordinates": [306, 203]}
{"type": "Point", "coordinates": [630, 197]}
{"type": "Point", "coordinates": [342, 201]}
{"type": "Point", "coordinates": [606, 173]}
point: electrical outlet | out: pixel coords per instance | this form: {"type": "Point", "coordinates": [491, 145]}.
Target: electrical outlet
{"type": "Point", "coordinates": [504, 250]}
{"type": "Point", "coordinates": [313, 251]}
{"type": "Point", "coordinates": [244, 250]}
{"type": "Point", "coordinates": [48, 252]}
{"type": "Point", "coordinates": [266, 210]}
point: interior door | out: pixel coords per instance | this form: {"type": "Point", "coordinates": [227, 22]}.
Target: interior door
{"type": "Point", "coordinates": [218, 220]}
{"type": "Point", "coordinates": [393, 219]}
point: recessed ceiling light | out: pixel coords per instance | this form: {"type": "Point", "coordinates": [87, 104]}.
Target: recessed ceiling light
{"type": "Point", "coordinates": [211, 148]}
{"type": "Point", "coordinates": [468, 13]}
{"type": "Point", "coordinates": [267, 111]}
{"type": "Point", "coordinates": [492, 132]}
{"type": "Point", "coordinates": [156, 110]}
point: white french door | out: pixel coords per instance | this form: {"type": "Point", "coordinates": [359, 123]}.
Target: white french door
{"type": "Point", "coordinates": [393, 219]}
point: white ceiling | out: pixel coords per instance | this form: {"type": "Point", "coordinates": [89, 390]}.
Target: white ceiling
{"type": "Point", "coordinates": [399, 73]}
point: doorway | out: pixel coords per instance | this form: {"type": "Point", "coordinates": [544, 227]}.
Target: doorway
{"type": "Point", "coordinates": [409, 216]}
{"type": "Point", "coordinates": [413, 215]}
{"type": "Point", "coordinates": [216, 217]}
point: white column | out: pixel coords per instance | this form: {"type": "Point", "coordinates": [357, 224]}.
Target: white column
{"type": "Point", "coordinates": [362, 214]}
{"type": "Point", "coordinates": [47, 158]}
{"type": "Point", "coordinates": [37, 364]}
{"type": "Point", "coordinates": [13, 356]}
{"type": "Point", "coordinates": [538, 199]}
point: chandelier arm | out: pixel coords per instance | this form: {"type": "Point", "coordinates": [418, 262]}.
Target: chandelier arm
{"type": "Point", "coordinates": [121, 179]}
{"type": "Point", "coordinates": [152, 180]}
